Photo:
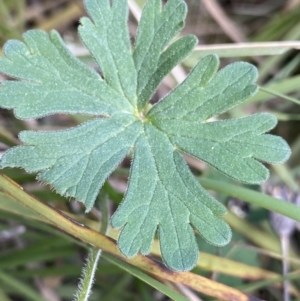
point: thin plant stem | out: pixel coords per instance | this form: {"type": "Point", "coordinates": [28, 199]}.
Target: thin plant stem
{"type": "Point", "coordinates": [88, 275]}
{"type": "Point", "coordinates": [273, 92]}
{"type": "Point", "coordinates": [284, 239]}
{"type": "Point", "coordinates": [88, 272]}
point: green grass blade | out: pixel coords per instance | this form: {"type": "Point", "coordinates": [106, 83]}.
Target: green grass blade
{"type": "Point", "coordinates": [274, 93]}
{"type": "Point", "coordinates": [244, 49]}
{"type": "Point", "coordinates": [145, 278]}
{"type": "Point", "coordinates": [3, 296]}
{"type": "Point", "coordinates": [253, 197]}
{"type": "Point", "coordinates": [92, 237]}
{"type": "Point", "coordinates": [288, 85]}
{"type": "Point", "coordinates": [20, 287]}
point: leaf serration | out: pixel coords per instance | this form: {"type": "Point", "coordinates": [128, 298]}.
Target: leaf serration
{"type": "Point", "coordinates": [163, 196]}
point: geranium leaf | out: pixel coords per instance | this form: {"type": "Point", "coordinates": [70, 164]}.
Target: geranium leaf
{"type": "Point", "coordinates": [163, 196]}
{"type": "Point", "coordinates": [76, 162]}
{"type": "Point", "coordinates": [231, 146]}
{"type": "Point", "coordinates": [171, 57]}
{"type": "Point", "coordinates": [107, 38]}
{"type": "Point", "coordinates": [157, 27]}
{"type": "Point", "coordinates": [50, 74]}
{"type": "Point", "coordinates": [169, 199]}
{"type": "Point", "coordinates": [209, 93]}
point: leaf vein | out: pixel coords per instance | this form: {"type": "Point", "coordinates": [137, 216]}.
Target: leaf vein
{"type": "Point", "coordinates": [156, 33]}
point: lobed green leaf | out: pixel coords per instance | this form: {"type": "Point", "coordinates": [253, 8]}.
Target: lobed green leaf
{"type": "Point", "coordinates": [76, 162]}
{"type": "Point", "coordinates": [171, 57]}
{"type": "Point", "coordinates": [156, 28]}
{"type": "Point", "coordinates": [53, 81]}
{"type": "Point", "coordinates": [163, 196]}
{"type": "Point", "coordinates": [231, 146]}
{"type": "Point", "coordinates": [208, 93]}
{"type": "Point", "coordinates": [170, 200]}
{"type": "Point", "coordinates": [107, 38]}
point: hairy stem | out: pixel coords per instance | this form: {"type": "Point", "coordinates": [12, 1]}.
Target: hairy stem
{"type": "Point", "coordinates": [88, 272]}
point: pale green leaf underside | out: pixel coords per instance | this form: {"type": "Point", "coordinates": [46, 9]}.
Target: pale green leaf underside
{"type": "Point", "coordinates": [230, 146]}
{"type": "Point", "coordinates": [171, 200]}
{"type": "Point", "coordinates": [156, 28]}
{"type": "Point", "coordinates": [107, 38]}
{"type": "Point", "coordinates": [171, 57]}
{"type": "Point", "coordinates": [76, 162]}
{"type": "Point", "coordinates": [208, 93]}
{"type": "Point", "coordinates": [53, 81]}
{"type": "Point", "coordinates": [163, 196]}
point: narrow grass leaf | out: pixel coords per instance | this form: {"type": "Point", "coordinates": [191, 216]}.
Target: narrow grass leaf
{"type": "Point", "coordinates": [167, 291]}
{"type": "Point", "coordinates": [92, 237]}
{"type": "Point", "coordinates": [19, 287]}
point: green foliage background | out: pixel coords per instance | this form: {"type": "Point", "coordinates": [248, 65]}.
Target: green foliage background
{"type": "Point", "coordinates": [47, 255]}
